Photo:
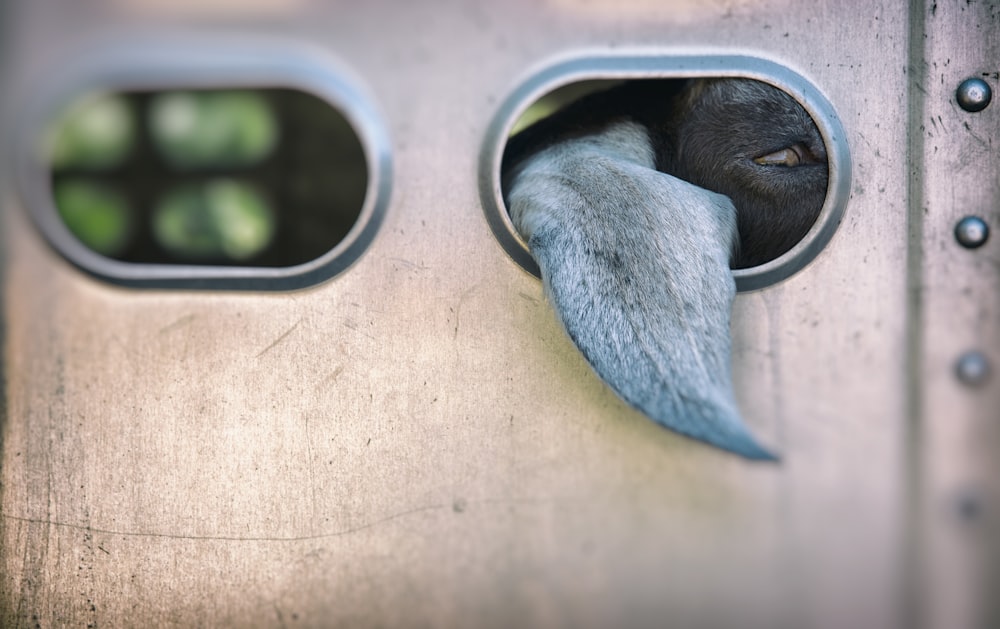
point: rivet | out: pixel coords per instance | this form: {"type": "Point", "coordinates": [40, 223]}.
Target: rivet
{"type": "Point", "coordinates": [973, 94]}
{"type": "Point", "coordinates": [969, 506]}
{"type": "Point", "coordinates": [972, 232]}
{"type": "Point", "coordinates": [972, 368]}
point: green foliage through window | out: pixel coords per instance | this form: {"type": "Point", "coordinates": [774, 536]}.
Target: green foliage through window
{"type": "Point", "coordinates": [265, 177]}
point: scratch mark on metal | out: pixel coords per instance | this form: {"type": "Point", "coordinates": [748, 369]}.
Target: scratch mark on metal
{"type": "Point", "coordinates": [981, 141]}
{"type": "Point", "coordinates": [279, 339]}
{"type": "Point", "coordinates": [352, 325]}
{"type": "Point", "coordinates": [409, 264]}
{"type": "Point", "coordinates": [312, 476]}
{"type": "Point", "coordinates": [179, 323]}
{"type": "Point", "coordinates": [227, 538]}
{"type": "Point", "coordinates": [332, 378]}
{"type": "Point", "coordinates": [458, 308]}
{"type": "Point", "coordinates": [281, 617]}
{"type": "Point", "coordinates": [116, 340]}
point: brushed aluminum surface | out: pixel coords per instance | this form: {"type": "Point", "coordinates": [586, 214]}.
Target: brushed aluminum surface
{"type": "Point", "coordinates": [415, 442]}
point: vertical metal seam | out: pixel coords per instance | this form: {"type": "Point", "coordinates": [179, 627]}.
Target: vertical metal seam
{"type": "Point", "coordinates": [913, 562]}
{"type": "Point", "coordinates": [6, 598]}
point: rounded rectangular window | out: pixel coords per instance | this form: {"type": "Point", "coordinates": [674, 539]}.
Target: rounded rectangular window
{"type": "Point", "coordinates": [225, 173]}
{"type": "Point", "coordinates": [743, 127]}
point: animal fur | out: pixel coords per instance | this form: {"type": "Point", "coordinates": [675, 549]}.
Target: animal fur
{"type": "Point", "coordinates": [613, 197]}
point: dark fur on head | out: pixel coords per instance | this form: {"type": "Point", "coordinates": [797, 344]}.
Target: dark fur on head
{"type": "Point", "coordinates": [723, 125]}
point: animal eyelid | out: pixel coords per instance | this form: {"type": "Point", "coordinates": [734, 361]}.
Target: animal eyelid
{"type": "Point", "coordinates": [785, 157]}
{"type": "Point", "coordinates": [793, 155]}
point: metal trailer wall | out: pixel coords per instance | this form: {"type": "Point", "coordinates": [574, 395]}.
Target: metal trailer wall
{"type": "Point", "coordinates": [415, 442]}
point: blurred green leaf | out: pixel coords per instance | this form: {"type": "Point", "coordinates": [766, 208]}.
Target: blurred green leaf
{"type": "Point", "coordinates": [97, 215]}
{"type": "Point", "coordinates": [219, 220]}
{"type": "Point", "coordinates": [213, 128]}
{"type": "Point", "coordinates": [96, 132]}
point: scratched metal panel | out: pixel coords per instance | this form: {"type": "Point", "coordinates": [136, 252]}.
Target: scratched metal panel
{"type": "Point", "coordinates": [957, 299]}
{"type": "Point", "coordinates": [416, 442]}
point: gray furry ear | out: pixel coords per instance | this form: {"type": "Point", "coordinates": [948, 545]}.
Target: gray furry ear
{"type": "Point", "coordinates": [636, 264]}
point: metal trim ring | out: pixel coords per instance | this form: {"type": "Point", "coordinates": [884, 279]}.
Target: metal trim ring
{"type": "Point", "coordinates": [663, 66]}
{"type": "Point", "coordinates": [187, 62]}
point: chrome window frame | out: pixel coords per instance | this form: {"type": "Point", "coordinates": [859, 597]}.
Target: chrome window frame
{"type": "Point", "coordinates": [673, 66]}
{"type": "Point", "coordinates": [196, 63]}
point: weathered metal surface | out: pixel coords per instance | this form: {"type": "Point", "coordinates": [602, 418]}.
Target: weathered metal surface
{"type": "Point", "coordinates": [956, 299]}
{"type": "Point", "coordinates": [415, 442]}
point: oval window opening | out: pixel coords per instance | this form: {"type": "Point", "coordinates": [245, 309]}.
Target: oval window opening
{"type": "Point", "coordinates": [754, 132]}
{"type": "Point", "coordinates": [208, 177]}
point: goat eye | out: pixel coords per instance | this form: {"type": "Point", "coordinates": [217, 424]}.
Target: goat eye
{"type": "Point", "coordinates": [795, 155]}
{"type": "Point", "coordinates": [790, 156]}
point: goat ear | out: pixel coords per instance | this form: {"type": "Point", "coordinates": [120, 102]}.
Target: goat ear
{"type": "Point", "coordinates": [636, 264]}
